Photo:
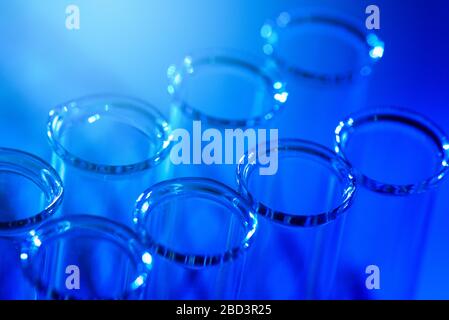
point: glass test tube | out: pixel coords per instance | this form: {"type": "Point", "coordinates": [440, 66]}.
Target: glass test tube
{"type": "Point", "coordinates": [222, 90]}
{"type": "Point", "coordinates": [399, 157]}
{"type": "Point", "coordinates": [107, 150]}
{"type": "Point", "coordinates": [198, 231]}
{"type": "Point", "coordinates": [301, 215]}
{"type": "Point", "coordinates": [326, 58]}
{"type": "Point", "coordinates": [84, 257]}
{"type": "Point", "coordinates": [30, 192]}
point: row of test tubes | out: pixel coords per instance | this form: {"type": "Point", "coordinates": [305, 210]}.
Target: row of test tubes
{"type": "Point", "coordinates": [113, 217]}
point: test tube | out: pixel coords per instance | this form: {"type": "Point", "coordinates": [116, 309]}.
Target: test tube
{"type": "Point", "coordinates": [107, 150]}
{"type": "Point", "coordinates": [301, 213]}
{"type": "Point", "coordinates": [30, 192]}
{"type": "Point", "coordinates": [327, 58]}
{"type": "Point", "coordinates": [399, 159]}
{"type": "Point", "coordinates": [198, 231]}
{"type": "Point", "coordinates": [82, 257]}
{"type": "Point", "coordinates": [214, 93]}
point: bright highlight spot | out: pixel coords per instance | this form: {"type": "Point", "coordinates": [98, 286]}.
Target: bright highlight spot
{"type": "Point", "coordinates": [147, 258]}
{"type": "Point", "coordinates": [177, 79]}
{"type": "Point", "coordinates": [23, 256]}
{"type": "Point", "coordinates": [145, 207]}
{"type": "Point", "coordinates": [93, 118]}
{"type": "Point", "coordinates": [277, 85]}
{"type": "Point", "coordinates": [377, 52]}
{"type": "Point", "coordinates": [281, 97]}
{"type": "Point", "coordinates": [339, 127]}
{"type": "Point", "coordinates": [36, 241]}
{"type": "Point", "coordinates": [138, 282]}
{"type": "Point", "coordinates": [188, 60]}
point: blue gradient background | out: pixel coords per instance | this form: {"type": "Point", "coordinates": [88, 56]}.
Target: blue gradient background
{"type": "Point", "coordinates": [126, 46]}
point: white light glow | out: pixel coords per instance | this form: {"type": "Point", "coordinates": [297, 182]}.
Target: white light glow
{"type": "Point", "coordinates": [147, 258]}
{"type": "Point", "coordinates": [36, 241]}
{"type": "Point", "coordinates": [277, 85]}
{"type": "Point", "coordinates": [377, 52]}
{"type": "Point", "coordinates": [281, 97]}
{"type": "Point", "coordinates": [93, 118]}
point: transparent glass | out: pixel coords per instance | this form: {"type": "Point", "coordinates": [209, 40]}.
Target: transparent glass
{"type": "Point", "coordinates": [85, 257]}
{"type": "Point", "coordinates": [302, 206]}
{"type": "Point", "coordinates": [222, 89]}
{"type": "Point", "coordinates": [399, 159]}
{"type": "Point", "coordinates": [198, 231]}
{"type": "Point", "coordinates": [30, 192]}
{"type": "Point", "coordinates": [107, 150]}
{"type": "Point", "coordinates": [327, 58]}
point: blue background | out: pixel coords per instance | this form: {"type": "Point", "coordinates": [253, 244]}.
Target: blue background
{"type": "Point", "coordinates": [126, 46]}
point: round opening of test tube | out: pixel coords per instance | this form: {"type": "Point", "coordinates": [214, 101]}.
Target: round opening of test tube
{"type": "Point", "coordinates": [227, 88]}
{"type": "Point", "coordinates": [311, 187]}
{"type": "Point", "coordinates": [30, 191]}
{"type": "Point", "coordinates": [109, 134]}
{"type": "Point", "coordinates": [84, 257]}
{"type": "Point", "coordinates": [195, 222]}
{"type": "Point", "coordinates": [393, 150]}
{"type": "Point", "coordinates": [322, 45]}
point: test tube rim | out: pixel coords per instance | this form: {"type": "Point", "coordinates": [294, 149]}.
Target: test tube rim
{"type": "Point", "coordinates": [32, 168]}
{"type": "Point", "coordinates": [264, 68]}
{"type": "Point", "coordinates": [138, 104]}
{"type": "Point", "coordinates": [403, 116]}
{"type": "Point", "coordinates": [247, 166]}
{"type": "Point", "coordinates": [55, 229]}
{"type": "Point", "coordinates": [327, 17]}
{"type": "Point", "coordinates": [161, 192]}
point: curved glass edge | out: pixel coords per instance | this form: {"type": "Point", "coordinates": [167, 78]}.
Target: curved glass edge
{"type": "Point", "coordinates": [248, 164]}
{"type": "Point", "coordinates": [375, 47]}
{"type": "Point", "coordinates": [40, 173]}
{"type": "Point", "coordinates": [57, 228]}
{"type": "Point", "coordinates": [163, 191]}
{"type": "Point", "coordinates": [401, 116]}
{"type": "Point", "coordinates": [265, 69]}
{"type": "Point", "coordinates": [56, 118]}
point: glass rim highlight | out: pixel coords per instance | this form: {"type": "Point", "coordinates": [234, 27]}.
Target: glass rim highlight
{"type": "Point", "coordinates": [56, 120]}
{"type": "Point", "coordinates": [373, 44]}
{"type": "Point", "coordinates": [54, 230]}
{"type": "Point", "coordinates": [265, 69]}
{"type": "Point", "coordinates": [298, 147]}
{"type": "Point", "coordinates": [37, 171]}
{"type": "Point", "coordinates": [199, 188]}
{"type": "Point", "coordinates": [404, 117]}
